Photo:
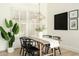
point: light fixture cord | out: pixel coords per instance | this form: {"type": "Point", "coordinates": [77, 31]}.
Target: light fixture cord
{"type": "Point", "coordinates": [39, 13]}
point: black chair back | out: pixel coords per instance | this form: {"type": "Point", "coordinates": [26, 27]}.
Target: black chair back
{"type": "Point", "coordinates": [57, 38]}
{"type": "Point", "coordinates": [25, 41]}
{"type": "Point", "coordinates": [21, 40]}
{"type": "Point", "coordinates": [47, 36]}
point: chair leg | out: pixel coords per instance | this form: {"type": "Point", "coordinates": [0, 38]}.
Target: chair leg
{"type": "Point", "coordinates": [46, 49]}
{"type": "Point", "coordinates": [59, 50]}
{"type": "Point", "coordinates": [33, 54]}
{"type": "Point", "coordinates": [54, 52]}
{"type": "Point", "coordinates": [20, 51]}
{"type": "Point", "coordinates": [38, 53]}
{"type": "Point", "coordinates": [23, 53]}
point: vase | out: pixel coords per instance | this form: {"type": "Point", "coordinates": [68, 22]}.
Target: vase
{"type": "Point", "coordinates": [10, 50]}
{"type": "Point", "coordinates": [40, 34]}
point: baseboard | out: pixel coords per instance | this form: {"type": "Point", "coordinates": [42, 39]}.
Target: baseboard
{"type": "Point", "coordinates": [70, 48]}
{"type": "Point", "coordinates": [2, 49]}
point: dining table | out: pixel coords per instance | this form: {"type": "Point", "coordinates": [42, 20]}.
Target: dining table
{"type": "Point", "coordinates": [40, 42]}
{"type": "Point", "coordinates": [45, 42]}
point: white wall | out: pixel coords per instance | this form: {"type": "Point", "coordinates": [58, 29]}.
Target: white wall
{"type": "Point", "coordinates": [70, 38]}
{"type": "Point", "coordinates": [6, 12]}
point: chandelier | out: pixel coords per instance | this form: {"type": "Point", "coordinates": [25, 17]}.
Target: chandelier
{"type": "Point", "coordinates": [38, 15]}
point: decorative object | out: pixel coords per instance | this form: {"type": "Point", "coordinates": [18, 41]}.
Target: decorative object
{"type": "Point", "coordinates": [73, 14]}
{"type": "Point", "coordinates": [61, 21]}
{"type": "Point", "coordinates": [10, 50]}
{"type": "Point", "coordinates": [37, 15]}
{"type": "Point", "coordinates": [73, 24]}
{"type": "Point", "coordinates": [73, 20]}
{"type": "Point", "coordinates": [9, 35]}
{"type": "Point", "coordinates": [39, 30]}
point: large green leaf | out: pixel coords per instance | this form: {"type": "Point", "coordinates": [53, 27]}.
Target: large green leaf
{"type": "Point", "coordinates": [15, 28]}
{"type": "Point", "coordinates": [8, 24]}
{"type": "Point", "coordinates": [4, 34]}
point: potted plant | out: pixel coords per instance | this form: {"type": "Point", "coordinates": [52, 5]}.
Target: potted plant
{"type": "Point", "coordinates": [40, 30]}
{"type": "Point", "coordinates": [9, 35]}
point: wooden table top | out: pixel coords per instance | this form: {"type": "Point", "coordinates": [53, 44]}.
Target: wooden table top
{"type": "Point", "coordinates": [40, 40]}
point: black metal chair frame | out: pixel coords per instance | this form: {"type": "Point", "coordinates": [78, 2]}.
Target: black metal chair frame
{"type": "Point", "coordinates": [27, 46]}
{"type": "Point", "coordinates": [22, 45]}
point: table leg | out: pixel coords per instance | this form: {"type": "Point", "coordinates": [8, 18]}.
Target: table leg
{"type": "Point", "coordinates": [53, 52]}
{"type": "Point", "coordinates": [40, 50]}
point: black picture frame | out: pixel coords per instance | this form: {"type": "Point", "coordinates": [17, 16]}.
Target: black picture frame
{"type": "Point", "coordinates": [73, 14]}
{"type": "Point", "coordinates": [73, 24]}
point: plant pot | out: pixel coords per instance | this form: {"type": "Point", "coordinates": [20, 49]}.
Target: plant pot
{"type": "Point", "coordinates": [40, 34]}
{"type": "Point", "coordinates": [10, 50]}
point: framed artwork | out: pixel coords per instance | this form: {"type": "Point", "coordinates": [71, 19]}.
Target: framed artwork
{"type": "Point", "coordinates": [73, 14]}
{"type": "Point", "coordinates": [73, 24]}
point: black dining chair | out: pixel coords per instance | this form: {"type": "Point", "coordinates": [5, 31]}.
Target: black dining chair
{"type": "Point", "coordinates": [23, 47]}
{"type": "Point", "coordinates": [31, 50]}
{"type": "Point", "coordinates": [28, 47]}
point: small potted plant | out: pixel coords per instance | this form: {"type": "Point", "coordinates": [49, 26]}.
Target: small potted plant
{"type": "Point", "coordinates": [9, 35]}
{"type": "Point", "coordinates": [40, 30]}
